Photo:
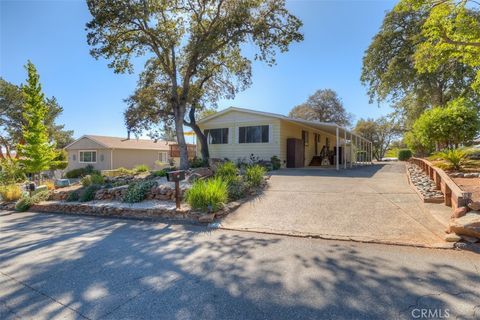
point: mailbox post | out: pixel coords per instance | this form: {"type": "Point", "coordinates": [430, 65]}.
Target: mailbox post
{"type": "Point", "coordinates": [176, 176]}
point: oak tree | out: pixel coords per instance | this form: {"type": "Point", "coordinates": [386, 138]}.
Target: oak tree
{"type": "Point", "coordinates": [193, 51]}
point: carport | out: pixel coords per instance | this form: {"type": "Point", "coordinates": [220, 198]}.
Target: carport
{"type": "Point", "coordinates": [359, 152]}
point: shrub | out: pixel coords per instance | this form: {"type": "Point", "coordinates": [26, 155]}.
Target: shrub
{"type": "Point", "coordinates": [81, 172]}
{"type": "Point", "coordinates": [92, 179]}
{"type": "Point", "coordinates": [404, 154]}
{"type": "Point", "coordinates": [40, 196]}
{"type": "Point", "coordinates": [141, 168]}
{"type": "Point", "coordinates": [207, 194]}
{"type": "Point", "coordinates": [276, 163]}
{"type": "Point", "coordinates": [50, 184]}
{"type": "Point", "coordinates": [10, 192]}
{"type": "Point", "coordinates": [236, 188]}
{"type": "Point", "coordinates": [454, 157]}
{"type": "Point", "coordinates": [254, 175]}
{"type": "Point", "coordinates": [197, 163]}
{"type": "Point", "coordinates": [89, 193]}
{"type": "Point", "coordinates": [11, 171]}
{"type": "Point", "coordinates": [73, 196]}
{"type": "Point", "coordinates": [163, 172]}
{"type": "Point", "coordinates": [226, 170]}
{"type": "Point", "coordinates": [23, 204]}
{"type": "Point", "coordinates": [125, 171]}
{"type": "Point", "coordinates": [137, 191]}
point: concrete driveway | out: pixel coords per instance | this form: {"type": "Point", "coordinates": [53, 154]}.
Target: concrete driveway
{"type": "Point", "coordinates": [371, 203]}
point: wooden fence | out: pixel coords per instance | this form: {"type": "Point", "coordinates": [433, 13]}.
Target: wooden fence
{"type": "Point", "coordinates": [454, 196]}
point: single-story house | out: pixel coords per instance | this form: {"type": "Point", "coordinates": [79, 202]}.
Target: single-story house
{"type": "Point", "coordinates": [237, 133]}
{"type": "Point", "coordinates": [107, 153]}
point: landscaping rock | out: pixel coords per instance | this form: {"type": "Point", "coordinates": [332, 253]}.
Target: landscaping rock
{"type": "Point", "coordinates": [206, 218]}
{"type": "Point", "coordinates": [459, 212]}
{"type": "Point", "coordinates": [474, 205]}
{"type": "Point", "coordinates": [468, 225]}
{"type": "Point", "coordinates": [193, 177]}
{"type": "Point", "coordinates": [452, 237]}
{"type": "Point", "coordinates": [469, 239]}
{"type": "Point", "coordinates": [470, 175]}
{"type": "Point", "coordinates": [202, 172]}
{"type": "Point", "coordinates": [424, 184]}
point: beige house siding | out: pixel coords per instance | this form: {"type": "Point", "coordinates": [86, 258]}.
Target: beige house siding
{"type": "Point", "coordinates": [129, 158]}
{"type": "Point", "coordinates": [280, 131]}
{"type": "Point", "coordinates": [235, 150]}
{"type": "Point", "coordinates": [292, 130]}
{"type": "Point", "coordinates": [85, 144]}
{"type": "Point", "coordinates": [103, 159]}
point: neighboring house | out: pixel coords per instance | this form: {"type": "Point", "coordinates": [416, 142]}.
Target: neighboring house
{"type": "Point", "coordinates": [106, 153]}
{"type": "Point", "coordinates": [237, 133]}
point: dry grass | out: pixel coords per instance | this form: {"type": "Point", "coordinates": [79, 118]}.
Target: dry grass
{"type": "Point", "coordinates": [10, 192]}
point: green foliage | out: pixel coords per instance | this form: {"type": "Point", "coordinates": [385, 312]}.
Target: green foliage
{"type": "Point", "coordinates": [197, 163]}
{"type": "Point", "coordinates": [202, 38]}
{"type": "Point", "coordinates": [236, 188]}
{"type": "Point", "coordinates": [125, 171]}
{"type": "Point", "coordinates": [226, 170]}
{"type": "Point", "coordinates": [11, 192]}
{"type": "Point", "coordinates": [254, 175]}
{"type": "Point", "coordinates": [137, 191]}
{"type": "Point", "coordinates": [23, 204]}
{"type": "Point", "coordinates": [207, 195]}
{"type": "Point", "coordinates": [276, 163]}
{"type": "Point", "coordinates": [11, 171]}
{"type": "Point", "coordinates": [451, 32]}
{"type": "Point", "coordinates": [37, 152]}
{"type": "Point", "coordinates": [453, 157]}
{"type": "Point", "coordinates": [88, 193]}
{"type": "Point", "coordinates": [94, 178]}
{"type": "Point", "coordinates": [141, 168]}
{"type": "Point", "coordinates": [40, 196]}
{"type": "Point", "coordinates": [163, 172]}
{"type": "Point", "coordinates": [324, 106]}
{"type": "Point", "coordinates": [60, 162]}
{"type": "Point", "coordinates": [12, 103]}
{"type": "Point", "coordinates": [450, 126]}
{"type": "Point", "coordinates": [390, 71]}
{"type": "Point", "coordinates": [379, 131]}
{"type": "Point", "coordinates": [73, 196]}
{"type": "Point", "coordinates": [404, 154]}
{"type": "Point", "coordinates": [81, 172]}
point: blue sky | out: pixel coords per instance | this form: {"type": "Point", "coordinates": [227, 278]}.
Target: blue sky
{"type": "Point", "coordinates": [52, 35]}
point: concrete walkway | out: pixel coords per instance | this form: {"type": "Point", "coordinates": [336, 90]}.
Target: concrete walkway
{"type": "Point", "coordinates": [370, 203]}
{"type": "Point", "coordinates": [73, 267]}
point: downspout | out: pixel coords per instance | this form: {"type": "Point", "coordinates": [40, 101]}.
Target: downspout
{"type": "Point", "coordinates": [111, 159]}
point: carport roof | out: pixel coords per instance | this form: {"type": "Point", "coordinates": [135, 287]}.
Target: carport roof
{"type": "Point", "coordinates": [329, 127]}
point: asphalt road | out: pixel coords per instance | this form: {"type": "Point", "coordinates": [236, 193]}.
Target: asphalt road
{"type": "Point", "coordinates": [71, 267]}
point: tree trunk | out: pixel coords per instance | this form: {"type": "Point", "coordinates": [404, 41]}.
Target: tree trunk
{"type": "Point", "coordinates": [201, 137]}
{"type": "Point", "coordinates": [182, 145]}
{"type": "Point", "coordinates": [203, 142]}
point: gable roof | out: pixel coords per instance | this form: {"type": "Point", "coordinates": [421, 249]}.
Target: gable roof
{"type": "Point", "coordinates": [124, 143]}
{"type": "Point", "coordinates": [329, 127]}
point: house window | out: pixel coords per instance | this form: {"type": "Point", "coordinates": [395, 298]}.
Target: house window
{"type": "Point", "coordinates": [305, 136]}
{"type": "Point", "coordinates": [217, 136]}
{"type": "Point", "coordinates": [88, 156]}
{"type": "Point", "coordinates": [253, 134]}
{"type": "Point", "coordinates": [163, 157]}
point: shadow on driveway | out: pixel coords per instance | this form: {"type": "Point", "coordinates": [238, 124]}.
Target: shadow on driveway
{"type": "Point", "coordinates": [55, 266]}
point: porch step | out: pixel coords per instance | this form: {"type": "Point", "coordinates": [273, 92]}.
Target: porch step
{"type": "Point", "coordinates": [316, 161]}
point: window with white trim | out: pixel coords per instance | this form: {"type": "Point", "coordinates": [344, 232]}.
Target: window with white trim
{"type": "Point", "coordinates": [254, 134]}
{"type": "Point", "coordinates": [163, 156]}
{"type": "Point", "coordinates": [87, 156]}
{"type": "Point", "coordinates": [217, 136]}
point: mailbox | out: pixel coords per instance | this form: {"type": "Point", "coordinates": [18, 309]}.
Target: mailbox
{"type": "Point", "coordinates": [175, 176]}
{"type": "Point", "coordinates": [31, 187]}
